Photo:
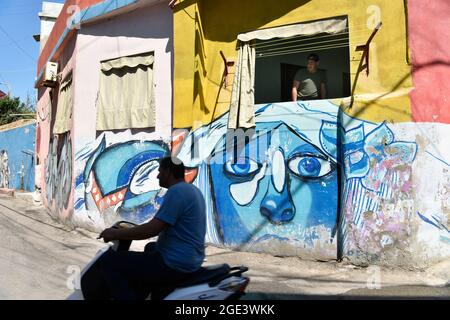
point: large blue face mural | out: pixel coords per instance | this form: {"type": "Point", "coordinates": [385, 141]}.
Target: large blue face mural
{"type": "Point", "coordinates": [275, 183]}
{"type": "Point", "coordinates": [277, 191]}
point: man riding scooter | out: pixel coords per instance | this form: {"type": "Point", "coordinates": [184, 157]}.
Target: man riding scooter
{"type": "Point", "coordinates": [180, 225]}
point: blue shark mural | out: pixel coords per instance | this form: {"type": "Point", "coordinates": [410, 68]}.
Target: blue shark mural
{"type": "Point", "coordinates": [119, 180]}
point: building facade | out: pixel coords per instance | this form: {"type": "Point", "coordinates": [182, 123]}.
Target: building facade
{"type": "Point", "coordinates": [362, 174]}
{"type": "Point", "coordinates": [104, 62]}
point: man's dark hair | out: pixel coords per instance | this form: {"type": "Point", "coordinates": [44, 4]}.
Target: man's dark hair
{"type": "Point", "coordinates": [174, 165]}
{"type": "Point", "coordinates": [314, 57]}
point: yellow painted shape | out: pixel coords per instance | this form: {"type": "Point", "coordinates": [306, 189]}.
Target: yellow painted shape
{"type": "Point", "coordinates": [184, 52]}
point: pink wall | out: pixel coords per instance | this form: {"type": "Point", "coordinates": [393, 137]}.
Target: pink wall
{"type": "Point", "coordinates": [151, 30]}
{"type": "Point", "coordinates": [42, 133]}
{"type": "Point", "coordinates": [429, 32]}
{"type": "Point", "coordinates": [51, 173]}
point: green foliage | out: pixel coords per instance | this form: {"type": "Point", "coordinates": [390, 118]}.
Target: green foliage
{"type": "Point", "coordinates": [11, 107]}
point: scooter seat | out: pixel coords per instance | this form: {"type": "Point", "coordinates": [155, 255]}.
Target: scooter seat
{"type": "Point", "coordinates": [205, 274]}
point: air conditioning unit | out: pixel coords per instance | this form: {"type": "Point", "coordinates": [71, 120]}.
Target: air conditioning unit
{"type": "Point", "coordinates": [50, 74]}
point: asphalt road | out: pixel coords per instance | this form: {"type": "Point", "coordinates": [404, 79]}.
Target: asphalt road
{"type": "Point", "coordinates": [37, 255]}
{"type": "Point", "coordinates": [39, 258]}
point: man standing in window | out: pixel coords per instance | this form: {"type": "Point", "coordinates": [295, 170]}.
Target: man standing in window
{"type": "Point", "coordinates": [309, 83]}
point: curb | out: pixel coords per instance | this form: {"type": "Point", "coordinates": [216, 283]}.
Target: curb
{"type": "Point", "coordinates": [28, 197]}
{"type": "Point", "coordinates": [9, 192]}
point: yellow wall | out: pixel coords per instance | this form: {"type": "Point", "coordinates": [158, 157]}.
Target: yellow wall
{"type": "Point", "coordinates": [203, 28]}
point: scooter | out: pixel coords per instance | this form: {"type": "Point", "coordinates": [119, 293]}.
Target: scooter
{"type": "Point", "coordinates": [215, 282]}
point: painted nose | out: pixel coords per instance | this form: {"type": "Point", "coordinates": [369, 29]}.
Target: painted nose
{"type": "Point", "coordinates": [277, 205]}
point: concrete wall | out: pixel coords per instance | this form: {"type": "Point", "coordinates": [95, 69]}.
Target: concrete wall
{"type": "Point", "coordinates": [17, 148]}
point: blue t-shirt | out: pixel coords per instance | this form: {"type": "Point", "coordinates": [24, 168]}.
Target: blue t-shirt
{"type": "Point", "coordinates": [182, 244]}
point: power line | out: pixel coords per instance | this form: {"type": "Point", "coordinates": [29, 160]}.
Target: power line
{"type": "Point", "coordinates": [20, 40]}
{"type": "Point", "coordinates": [17, 13]}
{"type": "Point", "coordinates": [15, 7]}
{"type": "Point", "coordinates": [17, 71]}
{"type": "Point", "coordinates": [16, 44]}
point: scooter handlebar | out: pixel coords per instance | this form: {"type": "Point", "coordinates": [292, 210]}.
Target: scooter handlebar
{"type": "Point", "coordinates": [123, 225]}
{"type": "Point", "coordinates": [121, 245]}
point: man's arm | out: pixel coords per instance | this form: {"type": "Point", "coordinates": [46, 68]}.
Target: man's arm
{"type": "Point", "coordinates": [323, 91]}
{"type": "Point", "coordinates": [142, 232]}
{"type": "Point", "coordinates": [294, 90]}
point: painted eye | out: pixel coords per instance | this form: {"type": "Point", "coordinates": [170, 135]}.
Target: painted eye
{"type": "Point", "coordinates": [242, 167]}
{"type": "Point", "coordinates": [310, 166]}
{"type": "Point", "coordinates": [144, 180]}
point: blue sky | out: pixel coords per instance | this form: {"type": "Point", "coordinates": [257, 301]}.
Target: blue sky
{"type": "Point", "coordinates": [19, 52]}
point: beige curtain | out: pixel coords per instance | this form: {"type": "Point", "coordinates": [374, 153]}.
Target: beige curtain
{"type": "Point", "coordinates": [64, 107]}
{"type": "Point", "coordinates": [126, 95]}
{"type": "Point", "coordinates": [243, 94]}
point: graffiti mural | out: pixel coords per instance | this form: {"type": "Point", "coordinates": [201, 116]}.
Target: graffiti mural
{"type": "Point", "coordinates": [440, 226]}
{"type": "Point", "coordinates": [271, 187]}
{"type": "Point", "coordinates": [118, 179]}
{"type": "Point", "coordinates": [308, 181]}
{"type": "Point", "coordinates": [4, 169]}
{"type": "Point", "coordinates": [17, 146]}
{"type": "Point", "coordinates": [377, 192]}
{"type": "Point", "coordinates": [58, 172]}
{"type": "Point", "coordinates": [278, 188]}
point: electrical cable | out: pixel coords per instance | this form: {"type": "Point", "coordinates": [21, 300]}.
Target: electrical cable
{"type": "Point", "coordinates": [17, 71]}
{"type": "Point", "coordinates": [16, 44]}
